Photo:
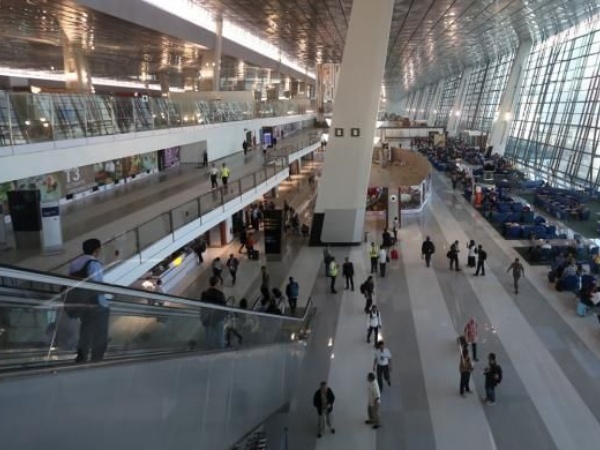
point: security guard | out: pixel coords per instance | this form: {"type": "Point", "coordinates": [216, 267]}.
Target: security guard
{"type": "Point", "coordinates": [374, 253]}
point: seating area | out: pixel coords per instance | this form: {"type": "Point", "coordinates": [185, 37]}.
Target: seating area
{"type": "Point", "coordinates": [563, 204]}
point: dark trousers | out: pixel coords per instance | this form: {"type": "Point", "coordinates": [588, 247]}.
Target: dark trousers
{"type": "Point", "coordinates": [213, 181]}
{"type": "Point", "coordinates": [217, 273]}
{"type": "Point", "coordinates": [427, 259]}
{"type": "Point", "coordinates": [349, 281]}
{"type": "Point", "coordinates": [368, 302]}
{"type": "Point", "coordinates": [474, 351]}
{"type": "Point", "coordinates": [480, 266]}
{"type": "Point", "coordinates": [373, 330]}
{"type": "Point", "coordinates": [382, 269]}
{"type": "Point", "coordinates": [224, 180]}
{"type": "Point", "coordinates": [464, 382]}
{"type": "Point", "coordinates": [374, 264]}
{"type": "Point", "coordinates": [333, 291]}
{"type": "Point", "coordinates": [383, 372]}
{"type": "Point", "coordinates": [292, 302]}
{"type": "Point", "coordinates": [454, 262]}
{"type": "Point", "coordinates": [93, 334]}
{"type": "Point", "coordinates": [243, 244]}
{"type": "Point", "coordinates": [233, 274]}
{"type": "Point", "coordinates": [490, 392]}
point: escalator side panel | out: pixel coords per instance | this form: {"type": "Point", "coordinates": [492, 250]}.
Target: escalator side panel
{"type": "Point", "coordinates": [196, 401]}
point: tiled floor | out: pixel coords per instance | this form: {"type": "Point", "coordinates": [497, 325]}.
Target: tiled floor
{"type": "Point", "coordinates": [550, 395]}
{"type": "Point", "coordinates": [115, 211]}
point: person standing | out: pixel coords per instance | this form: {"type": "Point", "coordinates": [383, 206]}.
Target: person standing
{"type": "Point", "coordinates": [232, 265]}
{"type": "Point", "coordinates": [395, 226]}
{"type": "Point", "coordinates": [517, 272]}
{"type": "Point", "coordinates": [217, 268]}
{"type": "Point", "coordinates": [327, 257]}
{"type": "Point", "coordinates": [374, 399]}
{"type": "Point", "coordinates": [373, 254]}
{"type": "Point", "coordinates": [465, 368]}
{"type": "Point", "coordinates": [225, 172]}
{"type": "Point", "coordinates": [348, 272]}
{"type": "Point", "coordinates": [427, 249]}
{"type": "Point", "coordinates": [471, 335]}
{"type": "Point", "coordinates": [213, 319]}
{"type": "Point", "coordinates": [481, 257]}
{"type": "Point", "coordinates": [292, 290]}
{"type": "Point", "coordinates": [323, 402]}
{"type": "Point", "coordinates": [94, 316]}
{"type": "Point", "coordinates": [382, 258]}
{"type": "Point", "coordinates": [367, 289]}
{"type": "Point", "coordinates": [493, 377]}
{"type": "Point", "coordinates": [213, 176]}
{"type": "Point", "coordinates": [373, 324]}
{"type": "Point", "coordinates": [264, 284]}
{"type": "Point", "coordinates": [453, 256]}
{"type": "Point", "coordinates": [245, 147]}
{"type": "Point", "coordinates": [382, 365]}
{"type": "Point", "coordinates": [471, 258]}
{"type": "Point", "coordinates": [333, 273]}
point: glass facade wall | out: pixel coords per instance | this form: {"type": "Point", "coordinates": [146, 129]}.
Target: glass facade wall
{"type": "Point", "coordinates": [556, 131]}
{"type": "Point", "coordinates": [449, 90]}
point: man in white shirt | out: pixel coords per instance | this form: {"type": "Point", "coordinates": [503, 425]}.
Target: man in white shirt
{"type": "Point", "coordinates": [382, 258]}
{"type": "Point", "coordinates": [374, 398]}
{"type": "Point", "coordinates": [374, 324]}
{"type": "Point", "coordinates": [382, 364]}
{"type": "Point", "coordinates": [214, 172]}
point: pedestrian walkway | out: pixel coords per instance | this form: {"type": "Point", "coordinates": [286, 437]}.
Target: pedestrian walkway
{"type": "Point", "coordinates": [549, 397]}
{"type": "Point", "coordinates": [112, 212]}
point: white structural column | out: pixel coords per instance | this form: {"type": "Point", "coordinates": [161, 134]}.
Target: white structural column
{"type": "Point", "coordinates": [343, 188]}
{"type": "Point", "coordinates": [508, 103]}
{"type": "Point", "coordinates": [435, 104]}
{"type": "Point", "coordinates": [217, 54]}
{"type": "Point", "coordinates": [459, 102]}
{"type": "Point", "coordinates": [77, 73]}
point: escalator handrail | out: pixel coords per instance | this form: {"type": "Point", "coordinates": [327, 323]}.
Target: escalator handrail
{"type": "Point", "coordinates": [43, 277]}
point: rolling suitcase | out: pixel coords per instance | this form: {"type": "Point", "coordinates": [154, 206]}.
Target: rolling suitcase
{"type": "Point", "coordinates": [394, 253]}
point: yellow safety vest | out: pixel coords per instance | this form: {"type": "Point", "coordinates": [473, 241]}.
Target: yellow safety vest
{"type": "Point", "coordinates": [333, 269]}
{"type": "Point", "coordinates": [225, 172]}
{"type": "Point", "coordinates": [374, 252]}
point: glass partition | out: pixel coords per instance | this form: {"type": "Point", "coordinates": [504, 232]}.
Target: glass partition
{"type": "Point", "coordinates": [28, 118]}
{"type": "Point", "coordinates": [40, 316]}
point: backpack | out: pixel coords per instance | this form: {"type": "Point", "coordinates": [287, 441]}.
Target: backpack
{"type": "Point", "coordinates": [76, 298]}
{"type": "Point", "coordinates": [482, 255]}
{"type": "Point", "coordinates": [363, 288]}
{"type": "Point", "coordinates": [449, 254]}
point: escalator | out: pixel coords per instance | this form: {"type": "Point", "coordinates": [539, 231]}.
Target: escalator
{"type": "Point", "coordinates": [161, 384]}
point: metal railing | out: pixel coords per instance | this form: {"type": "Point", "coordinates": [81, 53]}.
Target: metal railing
{"type": "Point", "coordinates": [31, 118]}
{"type": "Point", "coordinates": [37, 332]}
{"type": "Point", "coordinates": [132, 242]}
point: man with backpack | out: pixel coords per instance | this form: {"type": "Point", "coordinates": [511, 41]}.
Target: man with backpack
{"type": "Point", "coordinates": [481, 257]}
{"type": "Point", "coordinates": [92, 308]}
{"type": "Point", "coordinates": [374, 324]}
{"type": "Point", "coordinates": [493, 377]}
{"type": "Point", "coordinates": [367, 289]}
{"type": "Point", "coordinates": [427, 249]}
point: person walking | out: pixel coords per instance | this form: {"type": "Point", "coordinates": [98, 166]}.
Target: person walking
{"type": "Point", "coordinates": [374, 254]}
{"type": "Point", "coordinates": [472, 255]}
{"type": "Point", "coordinates": [94, 316]}
{"type": "Point", "coordinates": [373, 324]}
{"type": "Point", "coordinates": [382, 365]}
{"type": "Point", "coordinates": [367, 289]}
{"type": "Point", "coordinates": [395, 226]}
{"type": "Point", "coordinates": [327, 257]}
{"type": "Point", "coordinates": [213, 319]}
{"type": "Point", "coordinates": [493, 377]}
{"type": "Point", "coordinates": [517, 272]}
{"type": "Point", "coordinates": [225, 172]}
{"type": "Point", "coordinates": [233, 264]}
{"type": "Point", "coordinates": [427, 249]}
{"type": "Point", "coordinates": [374, 400]}
{"type": "Point", "coordinates": [465, 367]}
{"type": "Point", "coordinates": [292, 290]}
{"type": "Point", "coordinates": [481, 257]}
{"type": "Point", "coordinates": [333, 273]}
{"type": "Point", "coordinates": [323, 402]}
{"type": "Point", "coordinates": [453, 256]}
{"type": "Point", "coordinates": [348, 272]}
{"type": "Point", "coordinates": [214, 172]}
{"type": "Point", "coordinates": [471, 335]}
{"type": "Point", "coordinates": [245, 147]}
{"type": "Point", "coordinates": [382, 259]}
{"type": "Point", "coordinates": [217, 268]}
{"type": "Point", "coordinates": [243, 239]}
{"type": "Point", "coordinates": [264, 285]}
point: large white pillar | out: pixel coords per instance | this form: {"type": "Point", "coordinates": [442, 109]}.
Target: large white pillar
{"type": "Point", "coordinates": [459, 103]}
{"type": "Point", "coordinates": [340, 207]}
{"type": "Point", "coordinates": [217, 54]}
{"type": "Point", "coordinates": [506, 111]}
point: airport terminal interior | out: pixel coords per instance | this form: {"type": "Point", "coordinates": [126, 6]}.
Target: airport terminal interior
{"type": "Point", "coordinates": [300, 224]}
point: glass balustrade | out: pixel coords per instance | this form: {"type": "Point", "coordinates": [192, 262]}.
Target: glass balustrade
{"type": "Point", "coordinates": [37, 327]}
{"type": "Point", "coordinates": [30, 118]}
{"type": "Point", "coordinates": [129, 243]}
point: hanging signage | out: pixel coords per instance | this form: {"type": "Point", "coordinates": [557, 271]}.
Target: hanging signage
{"type": "Point", "coordinates": [169, 157]}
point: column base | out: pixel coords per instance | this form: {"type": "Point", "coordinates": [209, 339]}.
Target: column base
{"type": "Point", "coordinates": [335, 227]}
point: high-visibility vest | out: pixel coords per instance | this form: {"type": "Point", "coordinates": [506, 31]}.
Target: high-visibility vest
{"type": "Point", "coordinates": [333, 269]}
{"type": "Point", "coordinates": [374, 252]}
